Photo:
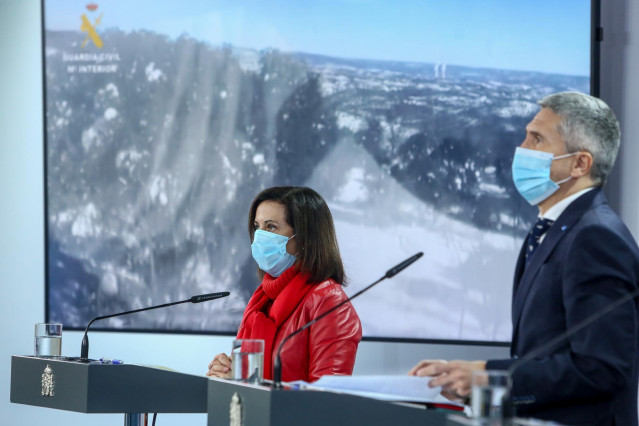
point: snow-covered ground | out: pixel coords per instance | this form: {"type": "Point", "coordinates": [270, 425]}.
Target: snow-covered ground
{"type": "Point", "coordinates": [461, 287]}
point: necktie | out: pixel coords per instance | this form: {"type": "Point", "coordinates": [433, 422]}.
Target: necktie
{"type": "Point", "coordinates": [534, 236]}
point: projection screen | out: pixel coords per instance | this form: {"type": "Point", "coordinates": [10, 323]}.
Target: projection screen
{"type": "Point", "coordinates": [165, 118]}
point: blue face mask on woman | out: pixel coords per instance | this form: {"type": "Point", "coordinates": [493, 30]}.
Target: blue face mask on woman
{"type": "Point", "coordinates": [269, 251]}
{"type": "Point", "coordinates": [531, 174]}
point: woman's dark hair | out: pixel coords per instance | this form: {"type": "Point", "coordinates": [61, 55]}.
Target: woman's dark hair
{"type": "Point", "coordinates": [312, 222]}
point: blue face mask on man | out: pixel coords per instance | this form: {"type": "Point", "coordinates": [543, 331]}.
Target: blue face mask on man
{"type": "Point", "coordinates": [531, 174]}
{"type": "Point", "coordinates": [269, 251]}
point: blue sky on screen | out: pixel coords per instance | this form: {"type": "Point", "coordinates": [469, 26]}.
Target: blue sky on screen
{"type": "Point", "coordinates": [530, 35]}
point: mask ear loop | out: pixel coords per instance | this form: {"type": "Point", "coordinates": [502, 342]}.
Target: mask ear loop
{"type": "Point", "coordinates": [290, 238]}
{"type": "Point", "coordinates": [565, 156]}
{"type": "Point", "coordinates": [564, 180]}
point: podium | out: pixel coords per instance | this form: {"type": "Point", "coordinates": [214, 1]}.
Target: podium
{"type": "Point", "coordinates": [70, 385]}
{"type": "Point", "coordinates": [233, 403]}
{"type": "Point", "coordinates": [105, 388]}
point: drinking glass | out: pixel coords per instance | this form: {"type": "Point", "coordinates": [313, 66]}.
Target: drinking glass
{"type": "Point", "coordinates": [48, 340]}
{"type": "Point", "coordinates": [247, 360]}
{"type": "Point", "coordinates": [488, 390]}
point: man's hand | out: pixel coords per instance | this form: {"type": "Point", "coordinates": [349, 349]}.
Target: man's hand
{"type": "Point", "coordinates": [453, 376]}
{"type": "Point", "coordinates": [220, 367]}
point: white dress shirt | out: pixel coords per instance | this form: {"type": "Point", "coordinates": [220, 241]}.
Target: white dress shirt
{"type": "Point", "coordinates": [555, 211]}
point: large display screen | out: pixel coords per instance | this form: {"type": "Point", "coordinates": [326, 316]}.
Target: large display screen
{"type": "Point", "coordinates": [165, 118]}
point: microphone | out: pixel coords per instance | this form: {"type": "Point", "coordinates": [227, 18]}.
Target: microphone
{"type": "Point", "coordinates": [84, 349]}
{"type": "Point", "coordinates": [277, 363]}
{"type": "Point", "coordinates": [507, 402]}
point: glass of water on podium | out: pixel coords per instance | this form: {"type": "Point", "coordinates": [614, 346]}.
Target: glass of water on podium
{"type": "Point", "coordinates": [48, 340]}
{"type": "Point", "coordinates": [488, 390]}
{"type": "Point", "coordinates": [247, 360]}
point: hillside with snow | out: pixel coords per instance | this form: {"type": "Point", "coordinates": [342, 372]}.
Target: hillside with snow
{"type": "Point", "coordinates": [156, 148]}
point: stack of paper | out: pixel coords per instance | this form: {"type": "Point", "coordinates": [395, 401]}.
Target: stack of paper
{"type": "Point", "coordinates": [387, 388]}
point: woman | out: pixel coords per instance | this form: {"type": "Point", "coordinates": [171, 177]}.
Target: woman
{"type": "Point", "coordinates": [295, 247]}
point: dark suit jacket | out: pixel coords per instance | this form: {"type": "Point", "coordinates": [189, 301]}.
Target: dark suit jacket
{"type": "Point", "coordinates": [587, 260]}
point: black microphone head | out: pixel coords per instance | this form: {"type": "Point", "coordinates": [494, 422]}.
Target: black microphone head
{"type": "Point", "coordinates": [210, 296]}
{"type": "Point", "coordinates": [399, 268]}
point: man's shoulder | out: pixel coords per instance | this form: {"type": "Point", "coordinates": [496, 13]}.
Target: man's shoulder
{"type": "Point", "coordinates": [602, 216]}
{"type": "Point", "coordinates": [592, 210]}
{"type": "Point", "coordinates": [601, 226]}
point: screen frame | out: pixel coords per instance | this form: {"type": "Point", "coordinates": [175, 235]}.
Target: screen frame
{"type": "Point", "coordinates": [596, 37]}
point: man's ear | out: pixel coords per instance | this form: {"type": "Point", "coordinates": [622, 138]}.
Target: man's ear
{"type": "Point", "coordinates": [582, 165]}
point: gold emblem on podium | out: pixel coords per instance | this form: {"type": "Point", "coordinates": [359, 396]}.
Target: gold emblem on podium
{"type": "Point", "coordinates": [235, 412]}
{"type": "Point", "coordinates": [48, 382]}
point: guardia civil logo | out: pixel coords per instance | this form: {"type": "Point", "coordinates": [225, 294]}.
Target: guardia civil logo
{"type": "Point", "coordinates": [90, 27]}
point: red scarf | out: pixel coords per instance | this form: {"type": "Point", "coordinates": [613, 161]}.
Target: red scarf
{"type": "Point", "coordinates": [271, 304]}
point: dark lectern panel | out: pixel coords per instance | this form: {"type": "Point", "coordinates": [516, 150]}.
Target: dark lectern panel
{"type": "Point", "coordinates": [262, 406]}
{"type": "Point", "coordinates": [97, 388]}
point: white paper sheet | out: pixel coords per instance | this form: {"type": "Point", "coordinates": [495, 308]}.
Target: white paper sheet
{"type": "Point", "coordinates": [387, 388]}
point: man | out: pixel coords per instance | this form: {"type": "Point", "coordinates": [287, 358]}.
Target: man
{"type": "Point", "coordinates": [578, 259]}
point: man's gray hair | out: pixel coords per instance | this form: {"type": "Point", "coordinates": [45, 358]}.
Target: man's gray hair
{"type": "Point", "coordinates": [587, 124]}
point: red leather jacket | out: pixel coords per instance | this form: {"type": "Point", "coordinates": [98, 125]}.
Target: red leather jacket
{"type": "Point", "coordinates": [328, 346]}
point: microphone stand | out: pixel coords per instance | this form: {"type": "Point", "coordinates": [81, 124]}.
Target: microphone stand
{"type": "Point", "coordinates": [84, 349]}
{"type": "Point", "coordinates": [277, 367]}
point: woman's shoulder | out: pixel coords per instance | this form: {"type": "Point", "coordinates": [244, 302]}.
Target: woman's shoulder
{"type": "Point", "coordinates": [327, 292]}
{"type": "Point", "coordinates": [325, 296]}
{"type": "Point", "coordinates": [328, 287]}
